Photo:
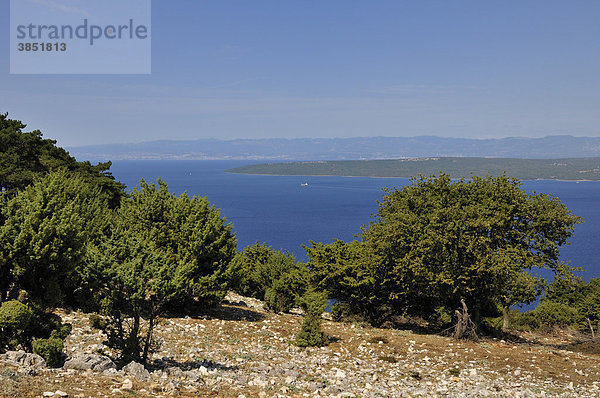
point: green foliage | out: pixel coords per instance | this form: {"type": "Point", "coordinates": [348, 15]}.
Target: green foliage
{"type": "Point", "coordinates": [97, 322]}
{"type": "Point", "coordinates": [568, 302]}
{"type": "Point", "coordinates": [313, 303]}
{"type": "Point", "coordinates": [20, 324]}
{"type": "Point", "coordinates": [440, 317]}
{"type": "Point", "coordinates": [162, 250]}
{"type": "Point", "coordinates": [61, 331]}
{"type": "Point", "coordinates": [261, 272]}
{"type": "Point", "coordinates": [550, 313]}
{"type": "Point", "coordinates": [15, 315]}
{"type": "Point", "coordinates": [348, 272]}
{"type": "Point", "coordinates": [26, 157]}
{"type": "Point", "coordinates": [281, 296]}
{"type": "Point", "coordinates": [49, 349]}
{"type": "Point", "coordinates": [310, 334]}
{"type": "Point", "coordinates": [190, 233]}
{"type": "Point", "coordinates": [134, 281]}
{"type": "Point", "coordinates": [581, 298]}
{"type": "Point", "coordinates": [438, 241]}
{"type": "Point", "coordinates": [42, 241]}
{"type": "Point", "coordinates": [15, 319]}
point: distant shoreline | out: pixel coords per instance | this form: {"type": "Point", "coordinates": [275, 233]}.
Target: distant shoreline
{"type": "Point", "coordinates": [567, 170]}
{"type": "Point", "coordinates": [345, 176]}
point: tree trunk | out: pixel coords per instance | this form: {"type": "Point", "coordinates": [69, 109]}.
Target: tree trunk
{"type": "Point", "coordinates": [591, 328]}
{"type": "Point", "coordinates": [462, 320]}
{"type": "Point", "coordinates": [465, 328]}
{"type": "Point", "coordinates": [148, 341]}
{"type": "Point", "coordinates": [505, 317]}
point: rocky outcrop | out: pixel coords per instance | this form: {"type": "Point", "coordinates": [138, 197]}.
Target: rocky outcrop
{"type": "Point", "coordinates": [96, 363]}
{"type": "Point", "coordinates": [136, 370]}
{"type": "Point", "coordinates": [24, 359]}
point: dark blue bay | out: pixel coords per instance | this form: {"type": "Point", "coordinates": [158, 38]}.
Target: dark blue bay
{"type": "Point", "coordinates": [281, 212]}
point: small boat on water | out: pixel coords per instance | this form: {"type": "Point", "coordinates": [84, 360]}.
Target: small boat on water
{"type": "Point", "coordinates": [304, 184]}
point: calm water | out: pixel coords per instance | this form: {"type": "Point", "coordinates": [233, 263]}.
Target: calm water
{"type": "Point", "coordinates": [281, 212]}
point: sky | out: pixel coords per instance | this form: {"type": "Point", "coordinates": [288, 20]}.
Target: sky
{"type": "Point", "coordinates": [339, 68]}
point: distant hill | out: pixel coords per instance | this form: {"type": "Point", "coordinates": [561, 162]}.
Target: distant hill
{"type": "Point", "coordinates": [525, 169]}
{"type": "Point", "coordinates": [562, 146]}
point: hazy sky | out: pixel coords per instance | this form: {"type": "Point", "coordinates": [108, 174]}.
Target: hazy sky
{"type": "Point", "coordinates": [335, 68]}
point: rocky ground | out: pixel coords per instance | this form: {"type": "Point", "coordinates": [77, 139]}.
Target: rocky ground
{"type": "Point", "coordinates": [239, 350]}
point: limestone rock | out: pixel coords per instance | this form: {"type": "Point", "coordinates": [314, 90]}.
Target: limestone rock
{"type": "Point", "coordinates": [24, 359]}
{"type": "Point", "coordinates": [96, 363]}
{"type": "Point", "coordinates": [137, 371]}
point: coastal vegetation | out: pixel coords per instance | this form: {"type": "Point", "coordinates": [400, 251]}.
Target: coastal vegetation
{"type": "Point", "coordinates": [438, 243]}
{"type": "Point", "coordinates": [574, 169]}
{"type": "Point", "coordinates": [441, 254]}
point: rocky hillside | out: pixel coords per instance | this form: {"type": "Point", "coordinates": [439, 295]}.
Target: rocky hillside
{"type": "Point", "coordinates": [239, 350]}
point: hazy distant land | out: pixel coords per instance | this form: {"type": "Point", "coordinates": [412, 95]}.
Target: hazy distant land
{"type": "Point", "coordinates": [525, 169]}
{"type": "Point", "coordinates": [559, 146]}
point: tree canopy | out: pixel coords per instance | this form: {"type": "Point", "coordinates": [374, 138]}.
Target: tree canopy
{"type": "Point", "coordinates": [161, 250]}
{"type": "Point", "coordinates": [25, 156]}
{"type": "Point", "coordinates": [437, 242]}
{"type": "Point", "coordinates": [42, 242]}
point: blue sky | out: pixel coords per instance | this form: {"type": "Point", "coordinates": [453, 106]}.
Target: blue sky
{"type": "Point", "coordinates": [337, 68]}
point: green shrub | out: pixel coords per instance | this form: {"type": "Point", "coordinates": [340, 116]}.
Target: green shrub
{"type": "Point", "coordinates": [15, 315]}
{"type": "Point", "coordinates": [273, 276]}
{"type": "Point", "coordinates": [164, 253]}
{"type": "Point", "coordinates": [49, 349]}
{"type": "Point", "coordinates": [97, 322]}
{"type": "Point", "coordinates": [310, 335]}
{"type": "Point", "coordinates": [441, 317]}
{"type": "Point", "coordinates": [284, 293]}
{"type": "Point", "coordinates": [549, 313]}
{"type": "Point", "coordinates": [20, 325]}
{"type": "Point", "coordinates": [15, 319]}
{"type": "Point", "coordinates": [62, 331]}
{"type": "Point", "coordinates": [524, 320]}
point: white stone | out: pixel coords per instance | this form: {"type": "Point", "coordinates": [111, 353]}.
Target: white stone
{"type": "Point", "coordinates": [127, 385]}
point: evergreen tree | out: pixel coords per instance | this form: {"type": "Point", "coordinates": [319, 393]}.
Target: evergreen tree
{"type": "Point", "coordinates": [26, 156]}
{"type": "Point", "coordinates": [438, 242]}
{"type": "Point", "coordinates": [162, 250]}
{"type": "Point", "coordinates": [42, 242]}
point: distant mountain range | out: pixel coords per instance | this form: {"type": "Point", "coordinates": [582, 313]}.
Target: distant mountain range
{"type": "Point", "coordinates": [559, 146]}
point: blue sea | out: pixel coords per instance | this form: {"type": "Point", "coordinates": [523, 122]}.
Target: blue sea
{"type": "Point", "coordinates": [280, 211]}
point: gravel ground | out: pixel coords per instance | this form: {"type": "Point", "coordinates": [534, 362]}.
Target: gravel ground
{"type": "Point", "coordinates": [239, 350]}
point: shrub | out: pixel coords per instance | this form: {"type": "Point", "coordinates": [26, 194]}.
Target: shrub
{"type": "Point", "coordinates": [62, 331]}
{"type": "Point", "coordinates": [15, 315]}
{"type": "Point", "coordinates": [310, 335]}
{"type": "Point", "coordinates": [15, 318]}
{"type": "Point", "coordinates": [550, 313]}
{"type": "Point", "coordinates": [42, 242]}
{"type": "Point", "coordinates": [20, 325]}
{"type": "Point", "coordinates": [273, 276]}
{"type": "Point", "coordinates": [97, 322]}
{"type": "Point", "coordinates": [49, 349]}
{"type": "Point", "coordinates": [441, 317]}
{"type": "Point", "coordinates": [523, 320]}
